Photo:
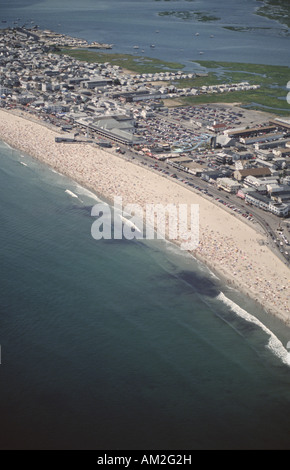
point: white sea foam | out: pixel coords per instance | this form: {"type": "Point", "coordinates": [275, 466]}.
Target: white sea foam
{"type": "Point", "coordinates": [56, 172]}
{"type": "Point", "coordinates": [170, 246]}
{"type": "Point", "coordinates": [71, 193]}
{"type": "Point", "coordinates": [7, 145]}
{"type": "Point", "coordinates": [129, 223]}
{"type": "Point", "coordinates": [274, 344]}
{"type": "Point", "coordinates": [85, 192]}
{"type": "Point", "coordinates": [212, 274]}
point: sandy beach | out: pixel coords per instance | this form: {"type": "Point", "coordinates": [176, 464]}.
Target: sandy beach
{"type": "Point", "coordinates": [228, 245]}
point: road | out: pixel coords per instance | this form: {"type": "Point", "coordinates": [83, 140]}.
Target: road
{"type": "Point", "coordinates": [267, 222]}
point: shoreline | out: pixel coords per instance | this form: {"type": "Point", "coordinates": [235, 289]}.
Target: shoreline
{"type": "Point", "coordinates": [229, 247]}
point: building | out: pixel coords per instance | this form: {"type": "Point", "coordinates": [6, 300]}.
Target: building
{"type": "Point", "coordinates": [118, 128]}
{"type": "Point", "coordinates": [96, 82]}
{"type": "Point", "coordinates": [223, 158]}
{"type": "Point", "coordinates": [222, 141]}
{"type": "Point", "coordinates": [279, 209]}
{"type": "Point", "coordinates": [264, 154]}
{"type": "Point", "coordinates": [240, 175]}
{"type": "Point", "coordinates": [180, 162]}
{"type": "Point", "coordinates": [65, 138]}
{"type": "Point", "coordinates": [258, 200]}
{"type": "Point", "coordinates": [267, 164]}
{"type": "Point", "coordinates": [194, 168]}
{"type": "Point", "coordinates": [282, 152]}
{"type": "Point", "coordinates": [271, 145]}
{"type": "Point", "coordinates": [242, 192]}
{"type": "Point", "coordinates": [276, 190]}
{"type": "Point", "coordinates": [244, 133]}
{"type": "Point", "coordinates": [261, 138]}
{"type": "Point", "coordinates": [252, 182]}
{"type": "Point", "coordinates": [228, 185]}
{"type": "Point", "coordinates": [213, 175]}
{"type": "Point", "coordinates": [217, 127]}
{"type": "Point", "coordinates": [280, 123]}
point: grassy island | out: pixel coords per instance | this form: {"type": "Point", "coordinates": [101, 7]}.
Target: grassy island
{"type": "Point", "coordinates": [278, 10]}
{"type": "Point", "coordinates": [138, 64]}
{"type": "Point", "coordinates": [271, 96]}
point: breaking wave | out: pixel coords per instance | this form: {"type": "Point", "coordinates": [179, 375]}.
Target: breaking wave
{"type": "Point", "coordinates": [71, 193]}
{"type": "Point", "coordinates": [274, 344]}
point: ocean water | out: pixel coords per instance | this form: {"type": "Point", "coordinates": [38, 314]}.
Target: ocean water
{"type": "Point", "coordinates": [124, 345]}
{"type": "Point", "coordinates": [130, 345]}
{"type": "Point", "coordinates": [126, 23]}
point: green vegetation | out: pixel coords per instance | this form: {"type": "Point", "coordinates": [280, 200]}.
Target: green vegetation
{"type": "Point", "coordinates": [271, 94]}
{"type": "Point", "coordinates": [244, 29]}
{"type": "Point", "coordinates": [138, 64]}
{"type": "Point", "coordinates": [271, 75]}
{"type": "Point", "coordinates": [278, 10]}
{"type": "Point", "coordinates": [189, 15]}
{"type": "Point", "coordinates": [270, 97]}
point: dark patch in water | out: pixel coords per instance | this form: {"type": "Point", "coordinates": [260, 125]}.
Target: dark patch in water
{"type": "Point", "coordinates": [84, 210]}
{"type": "Point", "coordinates": [243, 326]}
{"type": "Point", "coordinates": [202, 284]}
{"type": "Point", "coordinates": [123, 241]}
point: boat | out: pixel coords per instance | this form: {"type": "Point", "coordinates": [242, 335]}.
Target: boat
{"type": "Point", "coordinates": [157, 31]}
{"type": "Point", "coordinates": [152, 45]}
{"type": "Point", "coordinates": [197, 34]}
{"type": "Point", "coordinates": [135, 47]}
{"type": "Point", "coordinates": [211, 36]}
{"type": "Point", "coordinates": [201, 52]}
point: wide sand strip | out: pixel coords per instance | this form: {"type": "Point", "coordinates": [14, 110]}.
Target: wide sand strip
{"type": "Point", "coordinates": [227, 244]}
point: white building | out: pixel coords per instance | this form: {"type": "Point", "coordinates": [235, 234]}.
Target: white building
{"type": "Point", "coordinates": [281, 210]}
{"type": "Point", "coordinates": [227, 184]}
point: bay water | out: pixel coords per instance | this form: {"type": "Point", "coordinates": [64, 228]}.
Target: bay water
{"type": "Point", "coordinates": [179, 29]}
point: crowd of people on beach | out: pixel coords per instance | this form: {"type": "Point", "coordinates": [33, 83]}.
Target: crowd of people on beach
{"type": "Point", "coordinates": [229, 249]}
{"type": "Point", "coordinates": [237, 264]}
